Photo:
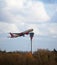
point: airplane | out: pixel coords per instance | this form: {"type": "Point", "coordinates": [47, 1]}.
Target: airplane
{"type": "Point", "coordinates": [14, 35]}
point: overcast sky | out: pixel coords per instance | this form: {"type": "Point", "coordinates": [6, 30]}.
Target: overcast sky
{"type": "Point", "coordinates": [20, 15]}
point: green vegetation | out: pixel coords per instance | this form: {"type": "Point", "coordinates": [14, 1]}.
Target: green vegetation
{"type": "Point", "coordinates": [40, 57]}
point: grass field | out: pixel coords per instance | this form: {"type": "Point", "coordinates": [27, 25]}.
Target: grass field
{"type": "Point", "coordinates": [40, 57]}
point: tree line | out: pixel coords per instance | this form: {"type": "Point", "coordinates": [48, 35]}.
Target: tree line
{"type": "Point", "coordinates": [39, 57]}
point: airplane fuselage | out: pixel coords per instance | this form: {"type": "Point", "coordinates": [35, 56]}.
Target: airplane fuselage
{"type": "Point", "coordinates": [14, 35]}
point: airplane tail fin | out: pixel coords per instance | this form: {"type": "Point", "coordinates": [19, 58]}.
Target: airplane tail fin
{"type": "Point", "coordinates": [11, 35]}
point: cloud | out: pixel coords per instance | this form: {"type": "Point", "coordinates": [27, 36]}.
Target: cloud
{"type": "Point", "coordinates": [53, 28]}
{"type": "Point", "coordinates": [15, 3]}
{"type": "Point", "coordinates": [6, 28]}
{"type": "Point", "coordinates": [45, 29]}
{"type": "Point", "coordinates": [37, 12]}
{"type": "Point", "coordinates": [19, 15]}
{"type": "Point", "coordinates": [25, 11]}
{"type": "Point", "coordinates": [49, 1]}
{"type": "Point", "coordinates": [54, 18]}
{"type": "Point", "coordinates": [51, 9]}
